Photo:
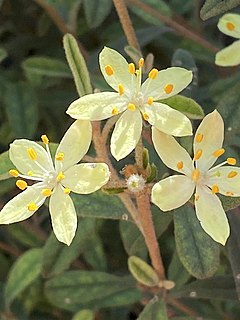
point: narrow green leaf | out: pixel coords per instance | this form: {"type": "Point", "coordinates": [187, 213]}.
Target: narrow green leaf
{"type": "Point", "coordinates": [229, 203]}
{"type": "Point", "coordinates": [24, 235]}
{"type": "Point", "coordinates": [154, 310]}
{"type": "Point", "coordinates": [93, 252]}
{"type": "Point", "coordinates": [197, 251]}
{"type": "Point", "coordinates": [177, 272]}
{"type": "Point", "coordinates": [5, 165]}
{"type": "Point", "coordinates": [212, 8]}
{"type": "Point", "coordinates": [84, 315]}
{"type": "Point", "coordinates": [23, 272]}
{"type": "Point", "coordinates": [77, 65]}
{"type": "Point", "coordinates": [3, 52]}
{"type": "Point", "coordinates": [96, 11]}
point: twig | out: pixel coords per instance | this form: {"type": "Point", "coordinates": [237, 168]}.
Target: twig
{"type": "Point", "coordinates": [5, 247]}
{"type": "Point", "coordinates": [181, 307]}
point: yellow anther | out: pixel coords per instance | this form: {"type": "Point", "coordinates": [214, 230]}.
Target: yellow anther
{"type": "Point", "coordinates": [60, 176]}
{"type": "Point", "coordinates": [232, 174]}
{"type": "Point", "coordinates": [32, 206]}
{"type": "Point", "coordinates": [195, 175]}
{"type": "Point", "coordinates": [168, 88]}
{"type": "Point", "coordinates": [131, 107]}
{"type": "Point", "coordinates": [218, 153]}
{"type": "Point", "coordinates": [230, 26]}
{"type": "Point", "coordinates": [153, 74]}
{"type": "Point", "coordinates": [13, 173]}
{"type": "Point", "coordinates": [145, 116]}
{"type": "Point", "coordinates": [198, 154]}
{"type": "Point", "coordinates": [59, 156]}
{"type": "Point", "coordinates": [120, 89]}
{"type": "Point", "coordinates": [66, 190]}
{"type": "Point", "coordinates": [199, 137]}
{"type": "Point", "coordinates": [150, 100]}
{"type": "Point", "coordinates": [141, 63]}
{"type": "Point", "coordinates": [231, 161]}
{"type": "Point", "coordinates": [131, 68]}
{"type": "Point", "coordinates": [32, 154]}
{"type": "Point", "coordinates": [215, 189]}
{"type": "Point", "coordinates": [46, 192]}
{"type": "Point", "coordinates": [109, 70]}
{"type": "Point", "coordinates": [180, 165]}
{"type": "Point", "coordinates": [196, 196]}
{"type": "Point", "coordinates": [30, 173]}
{"type": "Point", "coordinates": [115, 111]}
{"type": "Point", "coordinates": [229, 193]}
{"type": "Point", "coordinates": [45, 139]}
{"type": "Point", "coordinates": [21, 184]}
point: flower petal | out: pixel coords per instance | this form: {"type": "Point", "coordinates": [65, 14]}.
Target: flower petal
{"type": "Point", "coordinates": [120, 68]}
{"type": "Point", "coordinates": [211, 215]}
{"type": "Point", "coordinates": [18, 154]}
{"type": "Point", "coordinates": [86, 177]}
{"type": "Point", "coordinates": [97, 106]}
{"type": "Point", "coordinates": [126, 134]}
{"type": "Point", "coordinates": [175, 78]}
{"type": "Point", "coordinates": [63, 216]}
{"type": "Point", "coordinates": [168, 120]}
{"type": "Point", "coordinates": [17, 209]}
{"type": "Point", "coordinates": [229, 56]}
{"type": "Point", "coordinates": [74, 144]}
{"type": "Point", "coordinates": [172, 192]}
{"type": "Point", "coordinates": [211, 131]}
{"type": "Point", "coordinates": [230, 24]}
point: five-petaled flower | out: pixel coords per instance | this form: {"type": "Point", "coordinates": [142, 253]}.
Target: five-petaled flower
{"type": "Point", "coordinates": [198, 176]}
{"type": "Point", "coordinates": [230, 25]}
{"type": "Point", "coordinates": [55, 180]}
{"type": "Point", "coordinates": [135, 100]}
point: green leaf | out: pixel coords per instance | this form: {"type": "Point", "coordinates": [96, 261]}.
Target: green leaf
{"type": "Point", "coordinates": [154, 310]}
{"type": "Point", "coordinates": [142, 272]}
{"type": "Point", "coordinates": [24, 235]}
{"type": "Point", "coordinates": [3, 52]}
{"type": "Point", "coordinates": [212, 8]}
{"type": "Point", "coordinates": [84, 315]}
{"type": "Point", "coordinates": [77, 65]}
{"type": "Point", "coordinates": [96, 11]}
{"type": "Point", "coordinates": [23, 272]}
{"type": "Point", "coordinates": [185, 105]}
{"type": "Point", "coordinates": [177, 272]}
{"type": "Point", "coordinates": [229, 203]}
{"type": "Point", "coordinates": [74, 290]}
{"type": "Point", "coordinates": [197, 251]}
{"type": "Point", "coordinates": [5, 165]}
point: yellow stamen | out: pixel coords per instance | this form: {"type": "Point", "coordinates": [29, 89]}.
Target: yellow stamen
{"type": "Point", "coordinates": [59, 156]}
{"type": "Point", "coordinates": [168, 88]}
{"type": "Point", "coordinates": [46, 192]}
{"type": "Point", "coordinates": [150, 100]}
{"type": "Point", "coordinates": [45, 139]}
{"type": "Point", "coordinates": [215, 189]}
{"type": "Point", "coordinates": [198, 154]}
{"type": "Point", "coordinates": [230, 26]}
{"type": "Point", "coordinates": [199, 137]}
{"type": "Point", "coordinates": [32, 206]}
{"type": "Point", "coordinates": [32, 154]}
{"type": "Point", "coordinates": [66, 190]}
{"type": "Point", "coordinates": [153, 74]}
{"type": "Point", "coordinates": [131, 68]}
{"type": "Point", "coordinates": [131, 107]}
{"type": "Point", "coordinates": [231, 161]}
{"type": "Point", "coordinates": [21, 184]}
{"type": "Point", "coordinates": [218, 153]}
{"type": "Point", "coordinates": [229, 193]}
{"type": "Point", "coordinates": [180, 165]}
{"type": "Point", "coordinates": [232, 174]}
{"type": "Point", "coordinates": [141, 63]}
{"type": "Point", "coordinates": [145, 116]}
{"type": "Point", "coordinates": [60, 176]}
{"type": "Point", "coordinates": [195, 175]}
{"type": "Point", "coordinates": [115, 111]}
{"type": "Point", "coordinates": [196, 196]}
{"type": "Point", "coordinates": [13, 173]}
{"type": "Point", "coordinates": [120, 89]}
{"type": "Point", "coordinates": [109, 70]}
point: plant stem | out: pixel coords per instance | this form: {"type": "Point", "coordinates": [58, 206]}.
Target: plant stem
{"type": "Point", "coordinates": [139, 154]}
{"type": "Point", "coordinates": [175, 303]}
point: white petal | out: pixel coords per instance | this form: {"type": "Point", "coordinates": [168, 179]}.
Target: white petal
{"type": "Point", "coordinates": [97, 106]}
{"type": "Point", "coordinates": [212, 131]}
{"type": "Point", "coordinates": [171, 152]}
{"type": "Point", "coordinates": [232, 19]}
{"type": "Point", "coordinates": [17, 209]}
{"type": "Point", "coordinates": [178, 77]}
{"type": "Point", "coordinates": [19, 156]}
{"type": "Point", "coordinates": [211, 215]}
{"type": "Point", "coordinates": [63, 216]}
{"type": "Point", "coordinates": [168, 120]}
{"type": "Point", "coordinates": [74, 144]}
{"type": "Point", "coordinates": [172, 192]}
{"type": "Point", "coordinates": [86, 177]}
{"type": "Point", "coordinates": [126, 134]}
{"type": "Point", "coordinates": [229, 56]}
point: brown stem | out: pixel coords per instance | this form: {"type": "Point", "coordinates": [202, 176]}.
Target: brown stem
{"type": "Point", "coordinates": [126, 23]}
{"type": "Point", "coordinates": [5, 247]}
{"type": "Point", "coordinates": [182, 307]}
{"type": "Point", "coordinates": [139, 154]}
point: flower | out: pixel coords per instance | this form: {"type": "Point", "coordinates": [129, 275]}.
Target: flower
{"type": "Point", "coordinates": [55, 180]}
{"type": "Point", "coordinates": [134, 100]}
{"type": "Point", "coordinates": [230, 25]}
{"type": "Point", "coordinates": [198, 176]}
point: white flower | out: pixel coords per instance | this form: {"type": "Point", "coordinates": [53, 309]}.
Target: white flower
{"type": "Point", "coordinates": [55, 180]}
{"type": "Point", "coordinates": [198, 176]}
{"type": "Point", "coordinates": [135, 100]}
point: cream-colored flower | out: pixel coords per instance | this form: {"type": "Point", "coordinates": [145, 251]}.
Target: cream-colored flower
{"type": "Point", "coordinates": [54, 179]}
{"type": "Point", "coordinates": [197, 176]}
{"type": "Point", "coordinates": [230, 25]}
{"type": "Point", "coordinates": [135, 100]}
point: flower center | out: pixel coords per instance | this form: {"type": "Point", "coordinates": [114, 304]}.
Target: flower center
{"type": "Point", "coordinates": [196, 175]}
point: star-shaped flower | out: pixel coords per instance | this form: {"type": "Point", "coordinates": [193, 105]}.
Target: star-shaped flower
{"type": "Point", "coordinates": [230, 25]}
{"type": "Point", "coordinates": [54, 179]}
{"type": "Point", "coordinates": [197, 176]}
{"type": "Point", "coordinates": [135, 101]}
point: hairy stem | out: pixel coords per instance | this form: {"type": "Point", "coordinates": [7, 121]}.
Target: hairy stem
{"type": "Point", "coordinates": [139, 154]}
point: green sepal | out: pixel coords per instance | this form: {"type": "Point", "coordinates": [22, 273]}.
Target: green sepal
{"type": "Point", "coordinates": [212, 8]}
{"type": "Point", "coordinates": [112, 191]}
{"type": "Point", "coordinates": [153, 171]}
{"type": "Point", "coordinates": [145, 158]}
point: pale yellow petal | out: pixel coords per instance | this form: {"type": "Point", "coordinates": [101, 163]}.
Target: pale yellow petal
{"type": "Point", "coordinates": [229, 56]}
{"type": "Point", "coordinates": [230, 24]}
